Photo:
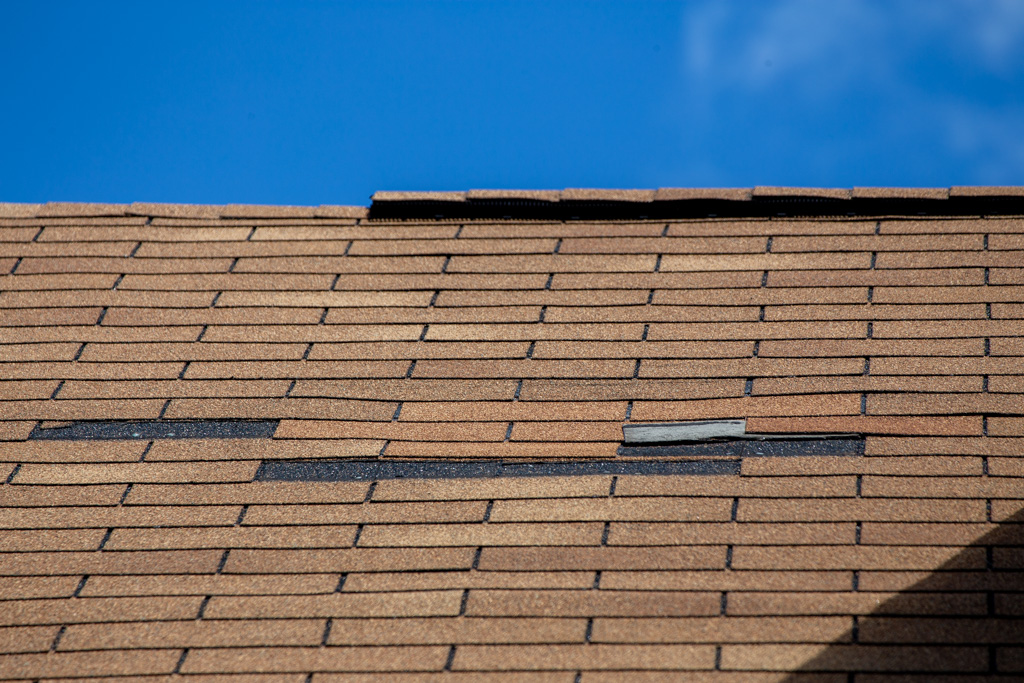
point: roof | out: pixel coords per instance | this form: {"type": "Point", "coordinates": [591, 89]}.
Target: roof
{"type": "Point", "coordinates": [386, 442]}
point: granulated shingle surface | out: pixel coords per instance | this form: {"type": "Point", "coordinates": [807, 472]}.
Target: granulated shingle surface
{"type": "Point", "coordinates": [517, 326]}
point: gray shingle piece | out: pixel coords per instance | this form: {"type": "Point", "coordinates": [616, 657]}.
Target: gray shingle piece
{"type": "Point", "coordinates": [701, 430]}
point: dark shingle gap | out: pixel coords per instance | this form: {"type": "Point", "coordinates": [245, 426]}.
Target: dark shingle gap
{"type": "Point", "coordinates": [81, 350]}
{"type": "Point", "coordinates": [768, 245]}
{"type": "Point", "coordinates": [529, 350]}
{"type": "Point", "coordinates": [38, 234]}
{"type": "Point", "coordinates": [341, 582]}
{"type": "Point", "coordinates": [597, 580]}
{"type": "Point", "coordinates": [543, 312]}
{"type": "Point", "coordinates": [145, 451]}
{"type": "Point", "coordinates": [607, 531]}
{"type": "Point", "coordinates": [103, 314]}
{"type": "Point", "coordinates": [148, 430]}
{"type": "Point", "coordinates": [184, 369]}
{"type": "Point", "coordinates": [476, 557]}
{"type": "Point", "coordinates": [13, 474]}
{"type": "Point", "coordinates": [215, 298]}
{"type": "Point", "coordinates": [163, 411]}
{"type": "Point", "coordinates": [728, 565]}
{"type": "Point", "coordinates": [223, 561]}
{"type": "Point", "coordinates": [519, 388]}
{"type": "Point", "coordinates": [629, 411]}
{"type": "Point", "coordinates": [202, 332]}
{"type": "Point", "coordinates": [202, 606]}
{"type": "Point", "coordinates": [558, 245]}
{"type": "Point", "coordinates": [181, 661]}
{"type": "Point", "coordinates": [447, 260]}
{"type": "Point", "coordinates": [56, 391]}
{"type": "Point", "coordinates": [118, 281]}
{"type": "Point", "coordinates": [636, 369]}
{"type": "Point", "coordinates": [551, 277]}
{"type": "Point", "coordinates": [124, 496]}
{"type": "Point", "coordinates": [347, 247]}
{"type": "Point", "coordinates": [81, 586]}
{"type": "Point", "coordinates": [647, 329]}
{"type": "Point", "coordinates": [426, 328]}
{"type": "Point", "coordinates": [433, 298]}
{"type": "Point", "coordinates": [590, 630]}
{"type": "Point", "coordinates": [451, 659]}
{"type": "Point", "coordinates": [327, 632]}
{"type": "Point", "coordinates": [16, 264]}
{"type": "Point", "coordinates": [56, 639]}
{"type": "Point", "coordinates": [373, 470]}
{"type": "Point", "coordinates": [785, 445]}
{"type": "Point", "coordinates": [657, 264]}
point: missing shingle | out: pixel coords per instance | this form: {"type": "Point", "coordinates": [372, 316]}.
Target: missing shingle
{"type": "Point", "coordinates": [148, 430]}
{"type": "Point", "coordinates": [375, 470]}
{"type": "Point", "coordinates": [785, 446]}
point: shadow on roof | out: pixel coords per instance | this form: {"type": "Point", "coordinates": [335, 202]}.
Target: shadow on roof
{"type": "Point", "coordinates": [964, 618]}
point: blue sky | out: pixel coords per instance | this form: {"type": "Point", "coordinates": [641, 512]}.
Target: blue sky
{"type": "Point", "coordinates": [326, 102]}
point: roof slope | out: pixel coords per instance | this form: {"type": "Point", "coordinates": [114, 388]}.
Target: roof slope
{"type": "Point", "coordinates": [414, 330]}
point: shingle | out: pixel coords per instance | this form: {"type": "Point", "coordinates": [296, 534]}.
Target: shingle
{"type": "Point", "coordinates": [285, 659]}
{"type": "Point", "coordinates": [584, 656]}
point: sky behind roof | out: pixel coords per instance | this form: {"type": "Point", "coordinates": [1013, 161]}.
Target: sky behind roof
{"type": "Point", "coordinates": [326, 102]}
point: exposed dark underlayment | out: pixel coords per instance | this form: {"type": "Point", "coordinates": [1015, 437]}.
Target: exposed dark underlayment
{"type": "Point", "coordinates": [372, 470]}
{"type": "Point", "coordinates": [764, 207]}
{"type": "Point", "coordinates": [745, 448]}
{"type": "Point", "coordinates": [149, 430]}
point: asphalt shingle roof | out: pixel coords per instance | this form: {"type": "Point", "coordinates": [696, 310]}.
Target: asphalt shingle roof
{"type": "Point", "coordinates": [526, 327]}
